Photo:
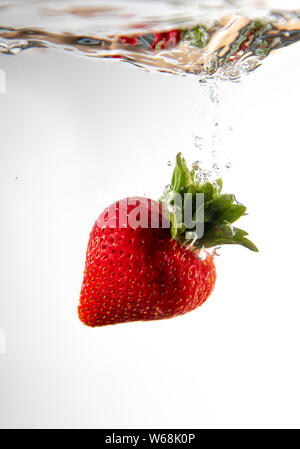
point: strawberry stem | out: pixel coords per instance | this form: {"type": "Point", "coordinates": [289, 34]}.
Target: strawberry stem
{"type": "Point", "coordinates": [217, 211]}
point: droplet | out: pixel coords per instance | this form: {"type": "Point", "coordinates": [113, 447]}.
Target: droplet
{"type": "Point", "coordinates": [214, 95]}
{"type": "Point", "coordinates": [215, 251]}
{"type": "Point", "coordinates": [169, 163]}
{"type": "Point", "coordinates": [196, 165]}
{"type": "Point", "coordinates": [167, 189]}
{"type": "Point", "coordinates": [198, 142]}
{"type": "Point", "coordinates": [228, 165]}
{"type": "Point", "coordinates": [236, 201]}
{"type": "Point", "coordinates": [232, 230]}
{"type": "Point", "coordinates": [202, 254]}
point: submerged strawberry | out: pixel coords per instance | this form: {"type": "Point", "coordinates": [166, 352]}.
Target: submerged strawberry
{"type": "Point", "coordinates": [139, 266]}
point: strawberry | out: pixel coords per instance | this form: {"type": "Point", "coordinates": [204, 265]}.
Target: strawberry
{"type": "Point", "coordinates": [140, 268]}
{"type": "Point", "coordinates": [153, 41]}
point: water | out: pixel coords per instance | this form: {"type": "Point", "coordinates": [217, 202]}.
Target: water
{"type": "Point", "coordinates": [184, 37]}
{"type": "Point", "coordinates": [80, 132]}
{"type": "Point", "coordinates": [212, 40]}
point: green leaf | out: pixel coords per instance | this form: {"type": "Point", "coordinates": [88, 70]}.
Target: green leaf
{"type": "Point", "coordinates": [234, 212]}
{"type": "Point", "coordinates": [245, 242]}
{"type": "Point", "coordinates": [216, 237]}
{"type": "Point", "coordinates": [225, 229]}
{"type": "Point", "coordinates": [240, 232]}
{"type": "Point", "coordinates": [219, 183]}
{"type": "Point", "coordinates": [181, 178]}
{"type": "Point", "coordinates": [177, 227]}
{"type": "Point", "coordinates": [208, 190]}
{"type": "Point", "coordinates": [216, 208]}
{"type": "Point", "coordinates": [219, 211]}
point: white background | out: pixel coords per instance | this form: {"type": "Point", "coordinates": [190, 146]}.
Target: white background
{"type": "Point", "coordinates": [76, 135]}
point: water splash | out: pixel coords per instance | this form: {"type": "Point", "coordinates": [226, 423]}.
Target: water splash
{"type": "Point", "coordinates": [209, 40]}
{"type": "Point", "coordinates": [220, 39]}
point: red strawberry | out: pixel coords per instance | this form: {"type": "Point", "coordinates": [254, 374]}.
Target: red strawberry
{"type": "Point", "coordinates": [135, 271]}
{"type": "Point", "coordinates": [161, 40]}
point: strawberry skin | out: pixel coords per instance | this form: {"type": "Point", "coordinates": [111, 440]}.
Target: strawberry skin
{"type": "Point", "coordinates": [134, 274]}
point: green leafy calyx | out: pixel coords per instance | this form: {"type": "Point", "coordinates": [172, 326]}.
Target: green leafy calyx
{"type": "Point", "coordinates": [217, 211]}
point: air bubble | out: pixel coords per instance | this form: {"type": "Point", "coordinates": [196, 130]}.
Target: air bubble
{"type": "Point", "coordinates": [202, 255]}
{"type": "Point", "coordinates": [196, 165]}
{"type": "Point", "coordinates": [215, 251]}
{"type": "Point", "coordinates": [167, 189]}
